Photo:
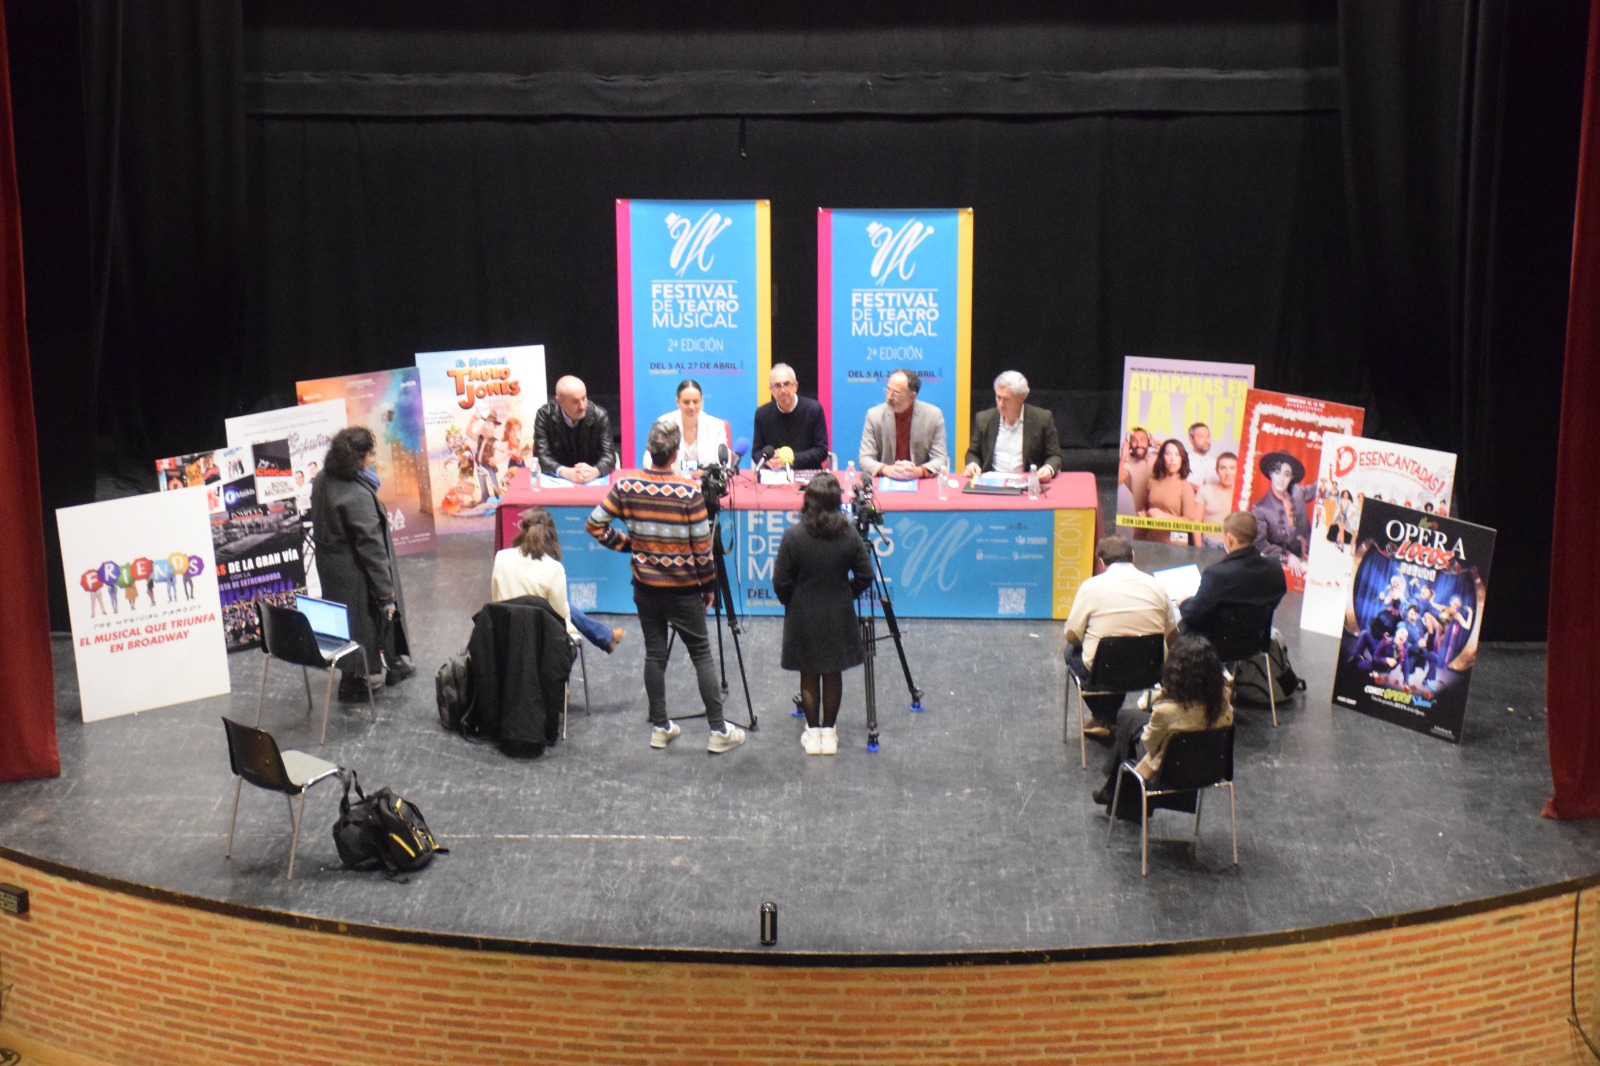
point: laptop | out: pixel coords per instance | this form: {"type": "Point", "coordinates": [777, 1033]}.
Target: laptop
{"type": "Point", "coordinates": [330, 622]}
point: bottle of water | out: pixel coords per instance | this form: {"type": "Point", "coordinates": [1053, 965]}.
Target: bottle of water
{"type": "Point", "coordinates": [849, 485]}
{"type": "Point", "coordinates": [1033, 482]}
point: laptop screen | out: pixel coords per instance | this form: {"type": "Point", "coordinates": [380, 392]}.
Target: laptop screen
{"type": "Point", "coordinates": [328, 619]}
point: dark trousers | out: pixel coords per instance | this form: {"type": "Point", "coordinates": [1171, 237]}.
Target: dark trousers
{"type": "Point", "coordinates": [1103, 708]}
{"type": "Point", "coordinates": [683, 613]}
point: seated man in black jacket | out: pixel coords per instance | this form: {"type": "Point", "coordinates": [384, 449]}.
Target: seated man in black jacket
{"type": "Point", "coordinates": [572, 437]}
{"type": "Point", "coordinates": [1243, 576]}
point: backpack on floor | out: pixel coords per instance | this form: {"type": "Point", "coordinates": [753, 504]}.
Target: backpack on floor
{"type": "Point", "coordinates": [453, 690]}
{"type": "Point", "coordinates": [384, 829]}
{"type": "Point", "coordinates": [1250, 681]}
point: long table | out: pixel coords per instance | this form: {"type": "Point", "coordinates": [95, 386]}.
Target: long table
{"type": "Point", "coordinates": [967, 556]}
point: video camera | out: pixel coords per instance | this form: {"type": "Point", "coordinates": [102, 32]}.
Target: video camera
{"type": "Point", "coordinates": [713, 483]}
{"type": "Point", "coordinates": [865, 506]}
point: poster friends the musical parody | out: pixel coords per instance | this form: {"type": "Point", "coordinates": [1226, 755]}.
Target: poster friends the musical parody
{"type": "Point", "coordinates": [1178, 462]}
{"type": "Point", "coordinates": [1280, 455]}
{"type": "Point", "coordinates": [1413, 618]}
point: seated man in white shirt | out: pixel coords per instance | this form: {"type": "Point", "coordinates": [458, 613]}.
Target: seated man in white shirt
{"type": "Point", "coordinates": [1123, 601]}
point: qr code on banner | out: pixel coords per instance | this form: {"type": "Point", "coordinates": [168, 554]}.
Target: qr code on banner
{"type": "Point", "coordinates": [1013, 601]}
{"type": "Point", "coordinates": [583, 595]}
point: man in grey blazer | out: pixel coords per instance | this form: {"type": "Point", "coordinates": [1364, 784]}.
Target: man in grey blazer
{"type": "Point", "coordinates": [1014, 435]}
{"type": "Point", "coordinates": [903, 437]}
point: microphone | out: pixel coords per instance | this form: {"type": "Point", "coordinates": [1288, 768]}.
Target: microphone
{"type": "Point", "coordinates": [741, 448]}
{"type": "Point", "coordinates": [767, 451]}
{"type": "Point", "coordinates": [722, 455]}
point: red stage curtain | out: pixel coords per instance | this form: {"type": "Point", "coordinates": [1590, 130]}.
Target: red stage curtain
{"type": "Point", "coordinates": [27, 711]}
{"type": "Point", "coordinates": [1573, 670]}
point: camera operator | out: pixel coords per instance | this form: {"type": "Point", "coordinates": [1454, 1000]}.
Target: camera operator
{"type": "Point", "coordinates": [668, 533]}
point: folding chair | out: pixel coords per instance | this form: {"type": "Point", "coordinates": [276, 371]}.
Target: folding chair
{"type": "Point", "coordinates": [1243, 631]}
{"type": "Point", "coordinates": [286, 635]}
{"type": "Point", "coordinates": [583, 667]}
{"type": "Point", "coordinates": [255, 758]}
{"type": "Point", "coordinates": [1193, 762]}
{"type": "Point", "coordinates": [1121, 664]}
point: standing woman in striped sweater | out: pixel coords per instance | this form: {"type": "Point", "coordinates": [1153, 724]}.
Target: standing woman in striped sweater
{"type": "Point", "coordinates": [668, 533]}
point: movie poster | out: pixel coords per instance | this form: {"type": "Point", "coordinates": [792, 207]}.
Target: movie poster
{"type": "Point", "coordinates": [1353, 471]}
{"type": "Point", "coordinates": [388, 403]}
{"type": "Point", "coordinates": [146, 617]}
{"type": "Point", "coordinates": [257, 540]}
{"type": "Point", "coordinates": [1178, 462]}
{"type": "Point", "coordinates": [1412, 621]}
{"type": "Point", "coordinates": [478, 409]}
{"type": "Point", "coordinates": [1280, 456]}
{"type": "Point", "coordinates": [188, 471]}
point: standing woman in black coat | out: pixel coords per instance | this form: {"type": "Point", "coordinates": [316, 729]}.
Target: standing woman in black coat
{"type": "Point", "coordinates": [822, 565]}
{"type": "Point", "coordinates": [355, 558]}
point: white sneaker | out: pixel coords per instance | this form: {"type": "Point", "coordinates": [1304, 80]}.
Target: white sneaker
{"type": "Point", "coordinates": [811, 740]}
{"type": "Point", "coordinates": [660, 738]}
{"type": "Point", "coordinates": [830, 741]}
{"type": "Point", "coordinates": [730, 737]}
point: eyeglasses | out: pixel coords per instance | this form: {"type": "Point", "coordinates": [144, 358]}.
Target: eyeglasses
{"type": "Point", "coordinates": [894, 394]}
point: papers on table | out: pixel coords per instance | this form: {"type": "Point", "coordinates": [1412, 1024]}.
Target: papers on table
{"type": "Point", "coordinates": [1181, 582]}
{"type": "Point", "coordinates": [551, 481]}
{"type": "Point", "coordinates": [889, 484]}
{"type": "Point", "coordinates": [993, 479]}
{"type": "Point", "coordinates": [776, 477]}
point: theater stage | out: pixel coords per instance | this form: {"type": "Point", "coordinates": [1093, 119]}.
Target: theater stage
{"type": "Point", "coordinates": [972, 830]}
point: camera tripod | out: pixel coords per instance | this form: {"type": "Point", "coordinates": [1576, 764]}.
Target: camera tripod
{"type": "Point", "coordinates": [866, 617]}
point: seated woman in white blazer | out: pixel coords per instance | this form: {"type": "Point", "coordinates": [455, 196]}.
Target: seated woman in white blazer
{"type": "Point", "coordinates": [702, 433]}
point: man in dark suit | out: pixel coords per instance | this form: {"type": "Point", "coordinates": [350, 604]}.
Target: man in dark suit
{"type": "Point", "coordinates": [790, 430]}
{"type": "Point", "coordinates": [572, 437]}
{"type": "Point", "coordinates": [1243, 576]}
{"type": "Point", "coordinates": [1014, 435]}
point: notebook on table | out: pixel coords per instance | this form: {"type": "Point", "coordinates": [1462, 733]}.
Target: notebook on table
{"type": "Point", "coordinates": [330, 622]}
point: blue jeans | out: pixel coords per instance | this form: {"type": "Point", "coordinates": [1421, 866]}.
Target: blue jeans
{"type": "Point", "coordinates": [685, 614]}
{"type": "Point", "coordinates": [592, 631]}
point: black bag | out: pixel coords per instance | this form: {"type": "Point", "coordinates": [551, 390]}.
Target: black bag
{"type": "Point", "coordinates": [453, 689]}
{"type": "Point", "coordinates": [384, 829]}
{"type": "Point", "coordinates": [1250, 682]}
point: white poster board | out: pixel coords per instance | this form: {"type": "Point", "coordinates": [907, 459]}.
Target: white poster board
{"type": "Point", "coordinates": [146, 616]}
{"type": "Point", "coordinates": [309, 429]}
{"type": "Point", "coordinates": [1352, 471]}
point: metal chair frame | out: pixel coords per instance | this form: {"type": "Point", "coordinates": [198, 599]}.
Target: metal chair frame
{"type": "Point", "coordinates": [254, 756]}
{"type": "Point", "coordinates": [1243, 631]}
{"type": "Point", "coordinates": [1186, 766]}
{"type": "Point", "coordinates": [1121, 664]}
{"type": "Point", "coordinates": [286, 635]}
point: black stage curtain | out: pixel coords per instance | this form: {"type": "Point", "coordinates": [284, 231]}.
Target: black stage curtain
{"type": "Point", "coordinates": [1286, 184]}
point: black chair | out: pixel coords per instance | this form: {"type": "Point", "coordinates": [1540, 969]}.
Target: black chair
{"type": "Point", "coordinates": [1192, 763]}
{"type": "Point", "coordinates": [1243, 631]}
{"type": "Point", "coordinates": [286, 635]}
{"type": "Point", "coordinates": [1121, 664]}
{"type": "Point", "coordinates": [255, 758]}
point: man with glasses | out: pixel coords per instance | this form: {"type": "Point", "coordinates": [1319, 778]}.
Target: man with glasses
{"type": "Point", "coordinates": [903, 437]}
{"type": "Point", "coordinates": [790, 429]}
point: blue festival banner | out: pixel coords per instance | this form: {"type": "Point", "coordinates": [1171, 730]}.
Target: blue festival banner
{"type": "Point", "coordinates": [894, 291]}
{"type": "Point", "coordinates": [694, 282]}
{"type": "Point", "coordinates": [938, 564]}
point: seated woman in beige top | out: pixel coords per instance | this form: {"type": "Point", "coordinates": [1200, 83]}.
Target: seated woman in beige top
{"type": "Point", "coordinates": [1193, 696]}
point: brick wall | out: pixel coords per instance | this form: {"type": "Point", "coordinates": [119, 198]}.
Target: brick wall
{"type": "Point", "coordinates": [139, 982]}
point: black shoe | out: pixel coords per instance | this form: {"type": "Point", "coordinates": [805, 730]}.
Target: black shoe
{"type": "Point", "coordinates": [1101, 798]}
{"type": "Point", "coordinates": [401, 670]}
{"type": "Point", "coordinates": [354, 689]}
